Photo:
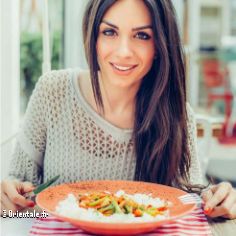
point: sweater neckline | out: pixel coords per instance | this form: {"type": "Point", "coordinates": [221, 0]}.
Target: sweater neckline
{"type": "Point", "coordinates": [109, 127]}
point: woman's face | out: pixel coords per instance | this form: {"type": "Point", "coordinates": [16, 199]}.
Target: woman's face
{"type": "Point", "coordinates": [125, 44]}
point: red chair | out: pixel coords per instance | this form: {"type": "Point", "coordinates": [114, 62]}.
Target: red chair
{"type": "Point", "coordinates": [216, 81]}
{"type": "Point", "coordinates": [215, 78]}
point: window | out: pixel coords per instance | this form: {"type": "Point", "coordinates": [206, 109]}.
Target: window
{"type": "Point", "coordinates": [31, 48]}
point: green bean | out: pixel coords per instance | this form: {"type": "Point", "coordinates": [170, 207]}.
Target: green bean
{"type": "Point", "coordinates": [117, 208]}
{"type": "Point", "coordinates": [95, 203]}
{"type": "Point", "coordinates": [109, 207]}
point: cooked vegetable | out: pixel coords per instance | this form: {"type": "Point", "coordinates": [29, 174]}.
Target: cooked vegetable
{"type": "Point", "coordinates": [109, 204]}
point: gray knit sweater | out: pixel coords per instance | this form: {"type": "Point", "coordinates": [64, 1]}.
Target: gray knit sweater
{"type": "Point", "coordinates": [62, 134]}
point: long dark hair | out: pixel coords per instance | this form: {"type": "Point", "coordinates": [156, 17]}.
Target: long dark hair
{"type": "Point", "coordinates": [160, 132]}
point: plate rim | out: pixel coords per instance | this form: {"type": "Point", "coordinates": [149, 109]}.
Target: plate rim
{"type": "Point", "coordinates": [121, 224]}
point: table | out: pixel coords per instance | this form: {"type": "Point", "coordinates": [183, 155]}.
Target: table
{"type": "Point", "coordinates": [21, 227]}
{"type": "Point", "coordinates": [223, 227]}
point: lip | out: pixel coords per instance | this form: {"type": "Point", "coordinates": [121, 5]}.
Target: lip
{"type": "Point", "coordinates": [121, 64]}
{"type": "Point", "coordinates": [125, 72]}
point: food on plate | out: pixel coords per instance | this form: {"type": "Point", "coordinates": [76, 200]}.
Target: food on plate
{"type": "Point", "coordinates": [118, 207]}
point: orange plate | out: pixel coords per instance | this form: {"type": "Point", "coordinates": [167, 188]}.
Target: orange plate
{"type": "Point", "coordinates": [49, 198]}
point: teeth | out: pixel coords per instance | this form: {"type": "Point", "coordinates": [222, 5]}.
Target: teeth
{"type": "Point", "coordinates": [123, 68]}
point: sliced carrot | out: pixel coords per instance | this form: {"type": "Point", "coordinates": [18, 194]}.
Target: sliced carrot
{"type": "Point", "coordinates": [137, 212]}
{"type": "Point", "coordinates": [164, 208]}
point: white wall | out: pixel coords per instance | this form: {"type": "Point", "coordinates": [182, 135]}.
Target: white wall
{"type": "Point", "coordinates": [10, 80]}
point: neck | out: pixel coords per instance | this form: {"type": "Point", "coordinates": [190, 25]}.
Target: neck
{"type": "Point", "coordinates": [117, 100]}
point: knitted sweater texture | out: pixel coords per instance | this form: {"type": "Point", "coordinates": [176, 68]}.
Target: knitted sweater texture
{"type": "Point", "coordinates": [62, 134]}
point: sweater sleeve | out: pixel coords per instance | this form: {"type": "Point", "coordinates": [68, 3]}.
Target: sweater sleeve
{"type": "Point", "coordinates": [195, 173]}
{"type": "Point", "coordinates": [27, 161]}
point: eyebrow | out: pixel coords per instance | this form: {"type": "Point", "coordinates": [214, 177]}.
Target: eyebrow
{"type": "Point", "coordinates": [134, 29]}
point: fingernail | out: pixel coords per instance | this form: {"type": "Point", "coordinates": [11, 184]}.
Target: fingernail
{"type": "Point", "coordinates": [31, 204]}
{"type": "Point", "coordinates": [207, 210]}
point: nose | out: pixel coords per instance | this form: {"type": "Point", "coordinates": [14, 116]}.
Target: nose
{"type": "Point", "coordinates": [124, 48]}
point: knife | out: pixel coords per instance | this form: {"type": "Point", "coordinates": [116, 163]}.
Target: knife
{"type": "Point", "coordinates": [31, 195]}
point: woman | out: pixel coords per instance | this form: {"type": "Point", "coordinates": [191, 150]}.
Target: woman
{"type": "Point", "coordinates": [124, 119]}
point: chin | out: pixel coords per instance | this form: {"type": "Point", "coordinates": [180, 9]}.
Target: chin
{"type": "Point", "coordinates": [125, 82]}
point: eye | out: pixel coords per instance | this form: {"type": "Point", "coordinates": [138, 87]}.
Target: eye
{"type": "Point", "coordinates": [142, 36]}
{"type": "Point", "coordinates": [109, 32]}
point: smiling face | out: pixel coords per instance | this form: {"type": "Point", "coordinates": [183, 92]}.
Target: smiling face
{"type": "Point", "coordinates": [125, 44]}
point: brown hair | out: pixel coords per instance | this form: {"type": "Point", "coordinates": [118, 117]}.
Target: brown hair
{"type": "Point", "coordinates": [160, 128]}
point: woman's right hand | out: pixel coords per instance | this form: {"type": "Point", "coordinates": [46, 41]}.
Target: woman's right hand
{"type": "Point", "coordinates": [12, 198]}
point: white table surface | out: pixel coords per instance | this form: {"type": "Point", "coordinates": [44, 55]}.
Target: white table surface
{"type": "Point", "coordinates": [16, 227]}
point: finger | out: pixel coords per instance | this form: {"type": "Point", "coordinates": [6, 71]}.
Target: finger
{"type": "Point", "coordinates": [2, 206]}
{"type": "Point", "coordinates": [226, 206]}
{"type": "Point", "coordinates": [8, 205]}
{"type": "Point", "coordinates": [25, 187]}
{"type": "Point", "coordinates": [207, 195]}
{"type": "Point", "coordinates": [215, 187]}
{"type": "Point", "coordinates": [18, 199]}
{"type": "Point", "coordinates": [220, 192]}
{"type": "Point", "coordinates": [3, 210]}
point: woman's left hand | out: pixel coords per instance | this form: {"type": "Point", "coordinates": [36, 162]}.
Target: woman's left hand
{"type": "Point", "coordinates": [220, 200]}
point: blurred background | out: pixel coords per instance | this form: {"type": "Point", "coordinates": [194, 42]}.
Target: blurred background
{"type": "Point", "coordinates": [208, 31]}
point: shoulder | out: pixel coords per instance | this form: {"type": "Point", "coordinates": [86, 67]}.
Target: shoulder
{"type": "Point", "coordinates": [191, 119]}
{"type": "Point", "coordinates": [54, 84]}
{"type": "Point", "coordinates": [55, 78]}
{"type": "Point", "coordinates": [190, 111]}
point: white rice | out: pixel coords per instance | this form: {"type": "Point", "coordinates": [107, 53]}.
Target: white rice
{"type": "Point", "coordinates": [70, 208]}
